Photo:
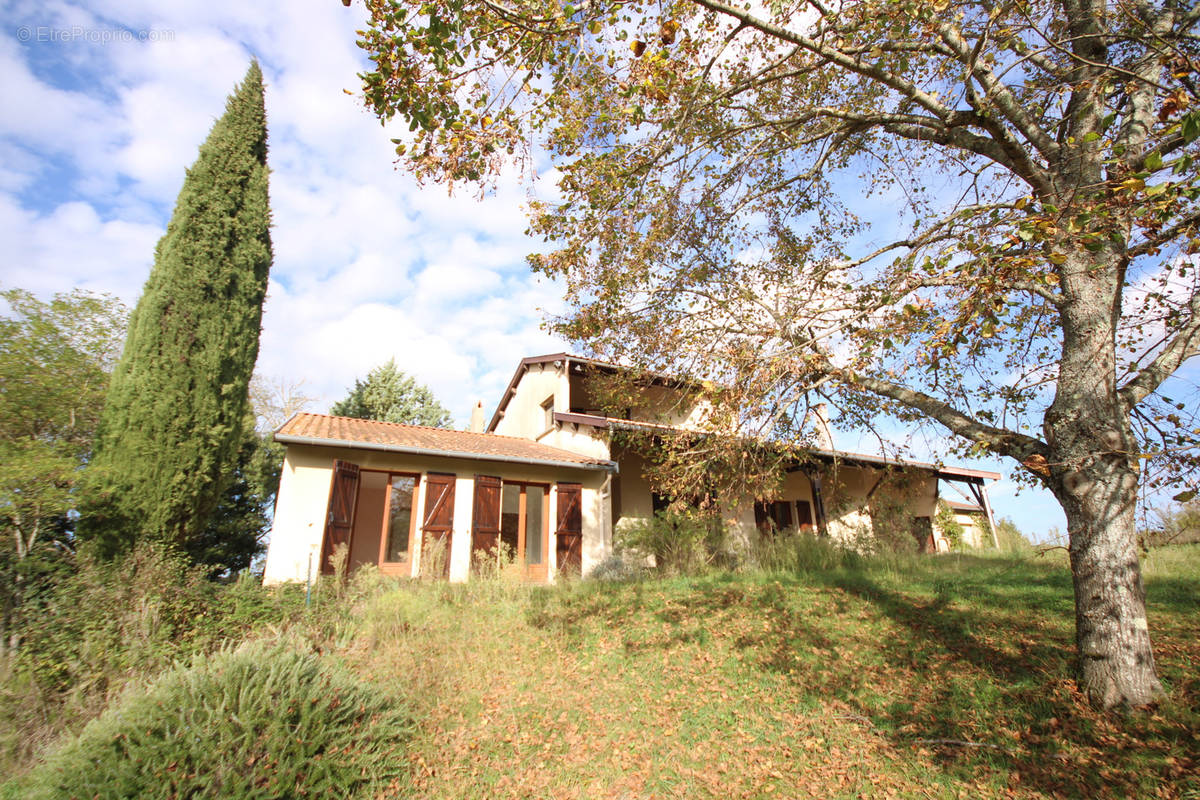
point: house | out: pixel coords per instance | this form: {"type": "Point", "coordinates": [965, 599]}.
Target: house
{"type": "Point", "coordinates": [547, 479]}
{"type": "Point", "coordinates": [400, 494]}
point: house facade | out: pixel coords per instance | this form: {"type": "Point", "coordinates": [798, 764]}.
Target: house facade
{"type": "Point", "coordinates": [547, 479]}
{"type": "Point", "coordinates": [423, 501]}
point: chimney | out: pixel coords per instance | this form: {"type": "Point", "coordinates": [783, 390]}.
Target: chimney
{"type": "Point", "coordinates": [477, 420]}
{"type": "Point", "coordinates": [820, 420]}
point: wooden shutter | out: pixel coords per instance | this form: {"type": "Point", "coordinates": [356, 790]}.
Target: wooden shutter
{"type": "Point", "coordinates": [438, 525]}
{"type": "Point", "coordinates": [569, 531]}
{"type": "Point", "coordinates": [339, 513]}
{"type": "Point", "coordinates": [485, 518]}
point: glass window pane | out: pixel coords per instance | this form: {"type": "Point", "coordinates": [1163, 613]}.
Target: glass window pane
{"type": "Point", "coordinates": [510, 506]}
{"type": "Point", "coordinates": [399, 518]}
{"type": "Point", "coordinates": [534, 496]}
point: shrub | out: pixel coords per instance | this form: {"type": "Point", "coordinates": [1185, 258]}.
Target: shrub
{"type": "Point", "coordinates": [805, 553]}
{"type": "Point", "coordinates": [257, 722]}
{"type": "Point", "coordinates": [946, 521]}
{"type": "Point", "coordinates": [1010, 538]}
{"type": "Point", "coordinates": [105, 624]}
{"type": "Point", "coordinates": [682, 542]}
{"type": "Point", "coordinates": [1177, 524]}
{"type": "Point", "coordinates": [142, 612]}
{"type": "Point", "coordinates": [616, 568]}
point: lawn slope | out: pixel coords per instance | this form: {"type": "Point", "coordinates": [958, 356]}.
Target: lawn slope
{"type": "Point", "coordinates": [935, 677]}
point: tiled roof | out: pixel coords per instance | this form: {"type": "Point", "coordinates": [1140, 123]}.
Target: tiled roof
{"type": "Point", "coordinates": [322, 429]}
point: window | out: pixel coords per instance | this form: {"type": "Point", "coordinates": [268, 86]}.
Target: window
{"type": "Point", "coordinates": [523, 526]}
{"type": "Point", "coordinates": [804, 518]}
{"type": "Point", "coordinates": [548, 413]}
{"type": "Point", "coordinates": [401, 489]}
{"type": "Point", "coordinates": [773, 516]}
{"type": "Point", "coordinates": [534, 533]}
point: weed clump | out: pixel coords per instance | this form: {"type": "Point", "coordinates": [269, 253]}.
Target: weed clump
{"type": "Point", "coordinates": [264, 720]}
{"type": "Point", "coordinates": [684, 542]}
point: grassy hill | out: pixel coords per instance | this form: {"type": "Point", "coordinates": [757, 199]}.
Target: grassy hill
{"type": "Point", "coordinates": [899, 677]}
{"type": "Point", "coordinates": [945, 677]}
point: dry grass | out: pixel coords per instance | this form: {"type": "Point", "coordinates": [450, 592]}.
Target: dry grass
{"type": "Point", "coordinates": [943, 678]}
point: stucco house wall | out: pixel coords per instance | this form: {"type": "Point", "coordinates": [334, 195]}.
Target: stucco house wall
{"type": "Point", "coordinates": [524, 415]}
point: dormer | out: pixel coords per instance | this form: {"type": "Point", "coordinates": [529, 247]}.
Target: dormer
{"type": "Point", "coordinates": [550, 391]}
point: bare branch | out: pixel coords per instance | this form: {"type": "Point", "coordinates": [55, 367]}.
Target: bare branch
{"type": "Point", "coordinates": [1184, 345]}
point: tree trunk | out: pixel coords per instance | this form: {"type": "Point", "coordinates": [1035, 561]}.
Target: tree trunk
{"type": "Point", "coordinates": [1094, 473]}
{"type": "Point", "coordinates": [1116, 663]}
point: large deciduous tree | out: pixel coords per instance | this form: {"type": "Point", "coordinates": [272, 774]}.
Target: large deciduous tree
{"type": "Point", "coordinates": [175, 415]}
{"type": "Point", "coordinates": [55, 358]}
{"type": "Point", "coordinates": [978, 213]}
{"type": "Point", "coordinates": [389, 395]}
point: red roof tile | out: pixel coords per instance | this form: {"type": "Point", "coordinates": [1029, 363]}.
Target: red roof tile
{"type": "Point", "coordinates": [322, 429]}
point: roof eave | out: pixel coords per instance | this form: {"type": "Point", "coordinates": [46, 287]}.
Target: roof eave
{"type": "Point", "coordinates": [287, 438]}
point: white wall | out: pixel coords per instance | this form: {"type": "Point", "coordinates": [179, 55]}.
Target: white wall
{"type": "Point", "coordinates": [524, 416]}
{"type": "Point", "coordinates": [851, 514]}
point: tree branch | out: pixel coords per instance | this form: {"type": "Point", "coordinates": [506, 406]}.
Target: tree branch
{"type": "Point", "coordinates": [998, 440]}
{"type": "Point", "coordinates": [1183, 346]}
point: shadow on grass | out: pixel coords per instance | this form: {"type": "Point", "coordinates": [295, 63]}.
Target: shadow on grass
{"type": "Point", "coordinates": [971, 660]}
{"type": "Point", "coordinates": [988, 683]}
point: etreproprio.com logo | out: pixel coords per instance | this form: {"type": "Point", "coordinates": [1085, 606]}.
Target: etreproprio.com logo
{"type": "Point", "coordinates": [80, 33]}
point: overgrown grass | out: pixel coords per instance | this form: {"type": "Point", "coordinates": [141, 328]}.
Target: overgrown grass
{"type": "Point", "coordinates": [841, 677]}
{"type": "Point", "coordinates": [112, 625]}
{"type": "Point", "coordinates": [821, 674]}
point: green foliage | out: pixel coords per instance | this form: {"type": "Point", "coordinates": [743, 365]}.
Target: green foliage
{"type": "Point", "coordinates": [946, 522]}
{"type": "Point", "coordinates": [96, 625]}
{"type": "Point", "coordinates": [174, 417]}
{"type": "Point", "coordinates": [802, 553]}
{"type": "Point", "coordinates": [233, 536]}
{"type": "Point", "coordinates": [388, 395]}
{"type": "Point", "coordinates": [261, 721]}
{"type": "Point", "coordinates": [682, 542]}
{"type": "Point", "coordinates": [1011, 540]}
{"type": "Point", "coordinates": [54, 362]}
{"type": "Point", "coordinates": [138, 613]}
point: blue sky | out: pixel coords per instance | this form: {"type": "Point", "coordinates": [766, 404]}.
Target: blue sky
{"type": "Point", "coordinates": [104, 106]}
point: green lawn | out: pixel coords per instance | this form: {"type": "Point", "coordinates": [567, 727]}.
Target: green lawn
{"type": "Point", "coordinates": [933, 677]}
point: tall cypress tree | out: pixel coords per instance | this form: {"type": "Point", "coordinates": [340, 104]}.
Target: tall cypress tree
{"type": "Point", "coordinates": [174, 417]}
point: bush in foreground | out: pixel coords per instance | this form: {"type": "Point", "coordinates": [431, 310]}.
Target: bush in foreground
{"type": "Point", "coordinates": [262, 721]}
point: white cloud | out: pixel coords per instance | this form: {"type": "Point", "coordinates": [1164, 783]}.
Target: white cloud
{"type": "Point", "coordinates": [368, 265]}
